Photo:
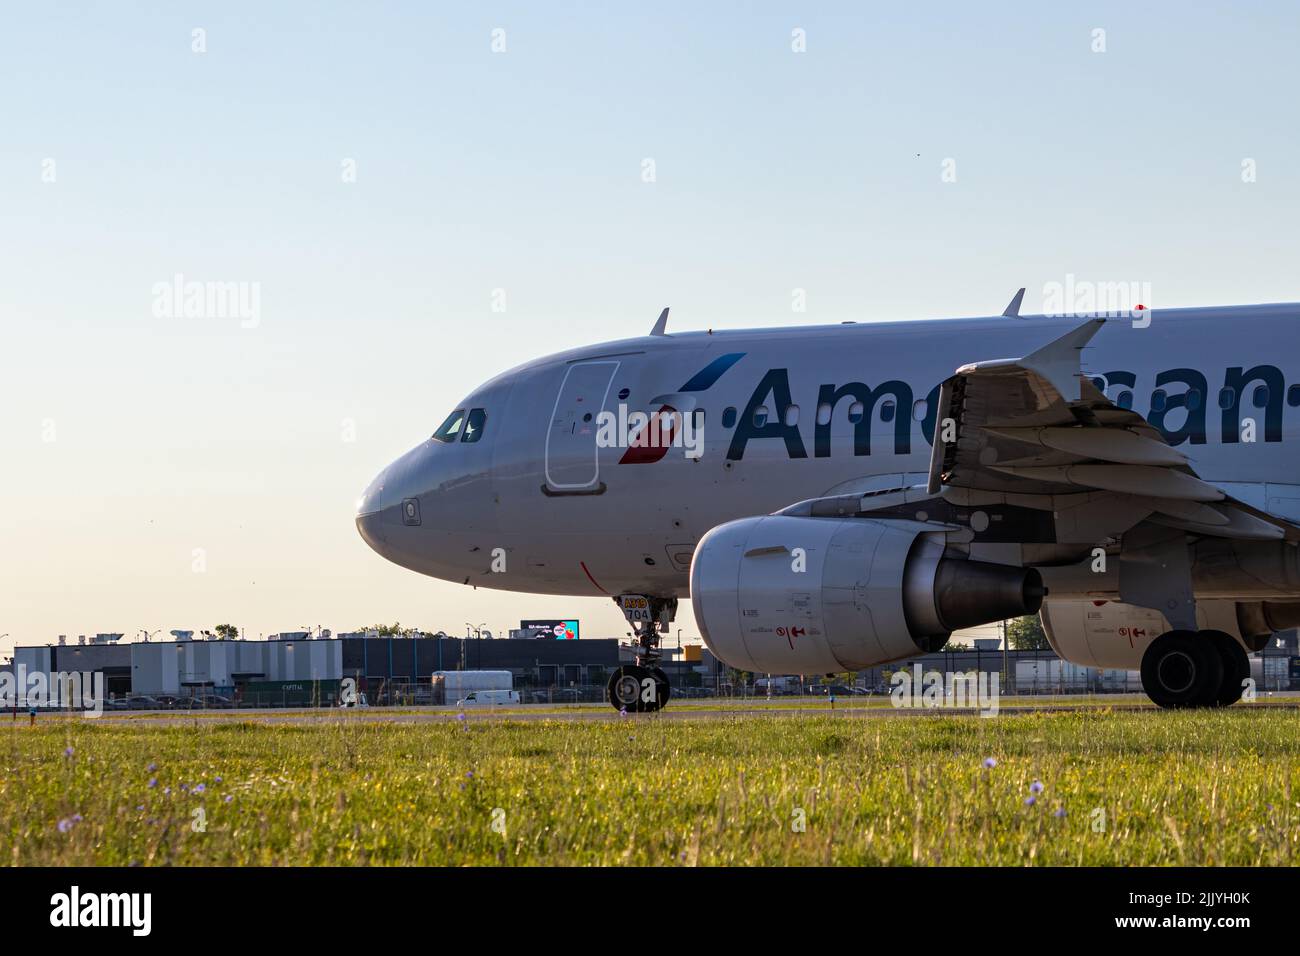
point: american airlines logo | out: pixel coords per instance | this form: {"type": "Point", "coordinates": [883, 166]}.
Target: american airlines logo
{"type": "Point", "coordinates": [1248, 404]}
{"type": "Point", "coordinates": [78, 909]}
{"type": "Point", "coordinates": [1182, 408]}
{"type": "Point", "coordinates": [646, 437]}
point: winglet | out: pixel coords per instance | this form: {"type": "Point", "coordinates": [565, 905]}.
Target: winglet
{"type": "Point", "coordinates": [1012, 311]}
{"type": "Point", "coordinates": [661, 324]}
{"type": "Point", "coordinates": [1059, 361]}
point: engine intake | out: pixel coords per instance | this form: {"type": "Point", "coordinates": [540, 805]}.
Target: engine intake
{"type": "Point", "coordinates": [794, 595]}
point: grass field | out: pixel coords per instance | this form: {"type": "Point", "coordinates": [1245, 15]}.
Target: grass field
{"type": "Point", "coordinates": [1117, 788]}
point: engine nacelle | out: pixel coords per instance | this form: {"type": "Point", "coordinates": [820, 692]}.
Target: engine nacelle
{"type": "Point", "coordinates": [1110, 634]}
{"type": "Point", "coordinates": [793, 595]}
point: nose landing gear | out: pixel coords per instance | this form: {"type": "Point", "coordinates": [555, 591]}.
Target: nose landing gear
{"type": "Point", "coordinates": [643, 687]}
{"type": "Point", "coordinates": [1194, 669]}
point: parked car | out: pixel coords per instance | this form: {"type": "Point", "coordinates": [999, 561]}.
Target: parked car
{"type": "Point", "coordinates": [489, 698]}
{"type": "Point", "coordinates": [143, 702]}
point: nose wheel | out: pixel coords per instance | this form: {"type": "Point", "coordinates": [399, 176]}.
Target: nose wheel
{"type": "Point", "coordinates": [643, 687]}
{"type": "Point", "coordinates": [638, 690]}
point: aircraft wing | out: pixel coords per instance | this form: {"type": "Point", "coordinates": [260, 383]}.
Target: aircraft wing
{"type": "Point", "coordinates": [1028, 450]}
{"type": "Point", "coordinates": [1038, 426]}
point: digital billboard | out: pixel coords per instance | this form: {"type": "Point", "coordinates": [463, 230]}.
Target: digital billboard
{"type": "Point", "coordinates": [551, 630]}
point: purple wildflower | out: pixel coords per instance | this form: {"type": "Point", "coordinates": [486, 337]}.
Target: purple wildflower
{"type": "Point", "coordinates": [1036, 787]}
{"type": "Point", "coordinates": [1030, 801]}
{"type": "Point", "coordinates": [989, 763]}
{"type": "Point", "coordinates": [200, 788]}
{"type": "Point", "coordinates": [65, 825]}
{"type": "Point", "coordinates": [152, 767]}
{"type": "Point", "coordinates": [1060, 812]}
{"type": "Point", "coordinates": [68, 751]}
{"type": "Point", "coordinates": [153, 782]}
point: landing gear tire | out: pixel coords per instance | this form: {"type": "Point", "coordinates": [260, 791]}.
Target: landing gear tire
{"type": "Point", "coordinates": [1236, 667]}
{"type": "Point", "coordinates": [1183, 669]}
{"type": "Point", "coordinates": [625, 689]}
{"type": "Point", "coordinates": [638, 690]}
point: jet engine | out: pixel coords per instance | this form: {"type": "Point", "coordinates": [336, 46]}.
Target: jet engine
{"type": "Point", "coordinates": [796, 595]}
{"type": "Point", "coordinates": [1111, 634]}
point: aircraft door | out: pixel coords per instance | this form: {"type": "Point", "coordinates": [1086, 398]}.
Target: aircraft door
{"type": "Point", "coordinates": [572, 458]}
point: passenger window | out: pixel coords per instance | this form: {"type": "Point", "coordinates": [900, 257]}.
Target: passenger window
{"type": "Point", "coordinates": [920, 408]}
{"type": "Point", "coordinates": [1261, 396]}
{"type": "Point", "coordinates": [474, 425]}
{"type": "Point", "coordinates": [1124, 400]}
{"type": "Point", "coordinates": [1159, 400]}
{"type": "Point", "coordinates": [1193, 400]}
{"type": "Point", "coordinates": [855, 412]}
{"type": "Point", "coordinates": [1227, 398]}
{"type": "Point", "coordinates": [824, 414]}
{"type": "Point", "coordinates": [760, 416]}
{"type": "Point", "coordinates": [1293, 396]}
{"type": "Point", "coordinates": [887, 411]}
{"type": "Point", "coordinates": [791, 415]}
{"type": "Point", "coordinates": [450, 428]}
{"type": "Point", "coordinates": [729, 417]}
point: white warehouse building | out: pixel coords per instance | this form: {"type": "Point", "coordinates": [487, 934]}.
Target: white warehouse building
{"type": "Point", "coordinates": [171, 668]}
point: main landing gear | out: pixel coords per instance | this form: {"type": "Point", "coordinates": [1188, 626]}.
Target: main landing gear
{"type": "Point", "coordinates": [1195, 669]}
{"type": "Point", "coordinates": [643, 687]}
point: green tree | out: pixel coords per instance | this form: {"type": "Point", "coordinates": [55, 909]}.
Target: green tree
{"type": "Point", "coordinates": [1026, 634]}
{"type": "Point", "coordinates": [388, 630]}
{"type": "Point", "coordinates": [955, 646]}
{"type": "Point", "coordinates": [227, 632]}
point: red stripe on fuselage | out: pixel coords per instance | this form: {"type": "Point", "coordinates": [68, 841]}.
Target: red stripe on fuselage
{"type": "Point", "coordinates": [583, 565]}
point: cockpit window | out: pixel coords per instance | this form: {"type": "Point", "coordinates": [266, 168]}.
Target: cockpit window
{"type": "Point", "coordinates": [474, 425]}
{"type": "Point", "coordinates": [449, 429]}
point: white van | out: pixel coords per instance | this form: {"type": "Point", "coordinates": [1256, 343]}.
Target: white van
{"type": "Point", "coordinates": [489, 698]}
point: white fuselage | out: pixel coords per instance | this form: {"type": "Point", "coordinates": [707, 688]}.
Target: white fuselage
{"type": "Point", "coordinates": [537, 505]}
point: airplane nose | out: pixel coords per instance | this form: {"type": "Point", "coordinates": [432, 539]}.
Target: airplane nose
{"type": "Point", "coordinates": [371, 520]}
{"type": "Point", "coordinates": [373, 530]}
{"type": "Point", "coordinates": [390, 506]}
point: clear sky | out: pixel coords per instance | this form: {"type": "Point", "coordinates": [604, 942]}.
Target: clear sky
{"type": "Point", "coordinates": [131, 439]}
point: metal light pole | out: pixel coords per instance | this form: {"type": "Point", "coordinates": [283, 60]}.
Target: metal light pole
{"type": "Point", "coordinates": [1006, 683]}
